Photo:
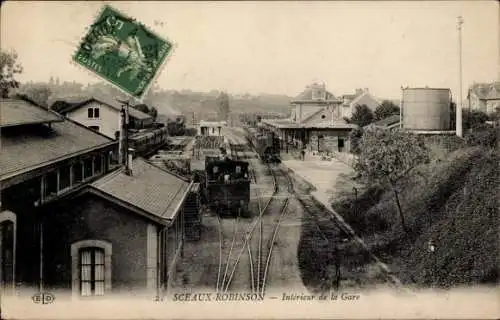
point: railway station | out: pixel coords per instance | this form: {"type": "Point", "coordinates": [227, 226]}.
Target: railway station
{"type": "Point", "coordinates": [316, 124]}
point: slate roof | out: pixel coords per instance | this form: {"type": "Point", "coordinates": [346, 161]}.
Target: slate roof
{"type": "Point", "coordinates": [327, 124]}
{"type": "Point", "coordinates": [307, 94]}
{"type": "Point", "coordinates": [71, 103]}
{"type": "Point", "coordinates": [149, 188]}
{"type": "Point", "coordinates": [337, 124]}
{"type": "Point", "coordinates": [18, 112]}
{"type": "Point", "coordinates": [486, 91]}
{"type": "Point", "coordinates": [28, 147]}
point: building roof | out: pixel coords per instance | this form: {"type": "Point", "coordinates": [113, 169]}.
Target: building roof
{"type": "Point", "coordinates": [486, 91]}
{"type": "Point", "coordinates": [336, 124]}
{"type": "Point", "coordinates": [388, 121]}
{"type": "Point", "coordinates": [327, 124]}
{"type": "Point", "coordinates": [15, 112]}
{"type": "Point", "coordinates": [307, 94]}
{"type": "Point", "coordinates": [71, 103]}
{"type": "Point", "coordinates": [212, 123]}
{"type": "Point", "coordinates": [149, 188]}
{"type": "Point", "coordinates": [31, 146]}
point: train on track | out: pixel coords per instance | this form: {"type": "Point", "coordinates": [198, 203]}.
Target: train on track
{"type": "Point", "coordinates": [147, 140]}
{"type": "Point", "coordinates": [266, 144]}
{"type": "Point", "coordinates": [227, 185]}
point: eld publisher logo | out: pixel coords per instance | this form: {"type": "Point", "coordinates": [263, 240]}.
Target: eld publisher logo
{"type": "Point", "coordinates": [43, 298]}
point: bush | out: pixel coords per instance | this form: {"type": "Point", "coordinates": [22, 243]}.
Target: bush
{"type": "Point", "coordinates": [483, 136]}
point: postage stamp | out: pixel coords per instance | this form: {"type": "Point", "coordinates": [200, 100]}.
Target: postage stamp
{"type": "Point", "coordinates": [122, 51]}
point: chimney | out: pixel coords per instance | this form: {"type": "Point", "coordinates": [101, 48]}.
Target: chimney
{"type": "Point", "coordinates": [129, 167]}
{"type": "Point", "coordinates": [359, 91]}
{"type": "Point", "coordinates": [366, 90]}
{"type": "Point", "coordinates": [121, 136]}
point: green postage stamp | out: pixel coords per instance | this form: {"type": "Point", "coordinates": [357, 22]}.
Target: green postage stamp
{"type": "Point", "coordinates": [122, 51]}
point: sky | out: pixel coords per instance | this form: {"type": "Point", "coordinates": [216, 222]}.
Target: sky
{"type": "Point", "coordinates": [277, 47]}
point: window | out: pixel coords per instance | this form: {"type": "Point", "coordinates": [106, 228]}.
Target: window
{"type": "Point", "coordinates": [341, 143]}
{"type": "Point", "coordinates": [77, 172]}
{"type": "Point", "coordinates": [95, 128]}
{"type": "Point", "coordinates": [92, 269]}
{"type": "Point", "coordinates": [93, 113]}
{"type": "Point", "coordinates": [87, 168]}
{"type": "Point", "coordinates": [323, 116]}
{"type": "Point", "coordinates": [50, 182]}
{"type": "Point", "coordinates": [98, 164]}
{"type": "Point", "coordinates": [238, 169]}
{"type": "Point", "coordinates": [64, 177]}
{"type": "Point", "coordinates": [7, 253]}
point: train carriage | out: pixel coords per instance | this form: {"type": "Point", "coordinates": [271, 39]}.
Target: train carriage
{"type": "Point", "coordinates": [266, 144]}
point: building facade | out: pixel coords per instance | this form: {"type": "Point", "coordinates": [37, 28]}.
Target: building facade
{"type": "Point", "coordinates": [124, 233]}
{"type": "Point", "coordinates": [484, 97]}
{"type": "Point", "coordinates": [360, 97]}
{"type": "Point", "coordinates": [44, 159]}
{"type": "Point", "coordinates": [100, 114]}
{"type": "Point", "coordinates": [316, 123]}
{"type": "Point", "coordinates": [75, 222]}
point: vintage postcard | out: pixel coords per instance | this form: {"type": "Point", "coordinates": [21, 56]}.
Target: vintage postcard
{"type": "Point", "coordinates": [241, 160]}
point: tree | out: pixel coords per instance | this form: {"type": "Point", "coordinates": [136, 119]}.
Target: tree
{"type": "Point", "coordinates": [388, 156]}
{"type": "Point", "coordinates": [223, 106]}
{"type": "Point", "coordinates": [9, 68]}
{"type": "Point", "coordinates": [37, 92]}
{"type": "Point", "coordinates": [471, 119]}
{"type": "Point", "coordinates": [386, 109]}
{"type": "Point", "coordinates": [355, 137]}
{"type": "Point", "coordinates": [362, 115]}
{"type": "Point", "coordinates": [142, 107]}
{"type": "Point", "coordinates": [147, 110]}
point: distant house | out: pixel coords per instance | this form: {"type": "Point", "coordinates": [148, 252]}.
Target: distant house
{"type": "Point", "coordinates": [100, 114]}
{"type": "Point", "coordinates": [390, 122]}
{"type": "Point", "coordinates": [360, 97]}
{"type": "Point", "coordinates": [484, 96]}
{"type": "Point", "coordinates": [211, 128]}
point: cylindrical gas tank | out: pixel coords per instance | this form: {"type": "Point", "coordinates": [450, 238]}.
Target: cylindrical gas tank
{"type": "Point", "coordinates": [426, 109]}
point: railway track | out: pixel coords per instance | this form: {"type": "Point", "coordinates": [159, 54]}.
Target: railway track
{"type": "Point", "coordinates": [229, 273]}
{"type": "Point", "coordinates": [270, 224]}
{"type": "Point", "coordinates": [224, 264]}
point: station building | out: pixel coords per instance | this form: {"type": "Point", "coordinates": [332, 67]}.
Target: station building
{"type": "Point", "coordinates": [72, 220]}
{"type": "Point", "coordinates": [316, 123]}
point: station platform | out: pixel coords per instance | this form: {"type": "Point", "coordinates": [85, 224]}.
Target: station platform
{"type": "Point", "coordinates": [330, 178]}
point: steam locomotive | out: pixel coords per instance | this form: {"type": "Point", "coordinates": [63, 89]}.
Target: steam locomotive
{"type": "Point", "coordinates": [266, 144]}
{"type": "Point", "coordinates": [227, 185]}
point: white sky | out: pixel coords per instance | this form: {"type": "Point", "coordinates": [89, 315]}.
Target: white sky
{"type": "Point", "coordinates": [277, 47]}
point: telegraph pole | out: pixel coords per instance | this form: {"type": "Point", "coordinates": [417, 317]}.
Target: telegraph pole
{"type": "Point", "coordinates": [459, 130]}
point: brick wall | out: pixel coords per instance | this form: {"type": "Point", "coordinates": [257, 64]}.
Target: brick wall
{"type": "Point", "coordinates": [329, 142]}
